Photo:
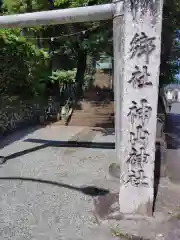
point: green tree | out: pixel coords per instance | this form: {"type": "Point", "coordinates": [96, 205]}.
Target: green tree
{"type": "Point", "coordinates": [170, 50]}
{"type": "Point", "coordinates": [76, 48]}
{"type": "Point", "coordinates": [22, 65]}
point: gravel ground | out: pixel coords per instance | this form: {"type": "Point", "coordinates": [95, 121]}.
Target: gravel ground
{"type": "Point", "coordinates": [52, 188]}
{"type": "Point", "coordinates": [42, 185]}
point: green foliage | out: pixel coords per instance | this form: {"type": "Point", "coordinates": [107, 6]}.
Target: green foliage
{"type": "Point", "coordinates": [21, 65]}
{"type": "Point", "coordinates": [170, 49]}
{"type": "Point", "coordinates": [92, 42]}
{"type": "Point", "coordinates": [63, 76]}
{"type": "Point", "coordinates": [99, 38]}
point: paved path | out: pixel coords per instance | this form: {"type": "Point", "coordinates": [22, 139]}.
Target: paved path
{"type": "Point", "coordinates": [51, 187]}
{"type": "Point", "coordinates": [45, 183]}
{"type": "Point", "coordinates": [173, 143]}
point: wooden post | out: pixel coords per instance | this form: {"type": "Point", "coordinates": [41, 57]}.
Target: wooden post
{"type": "Point", "coordinates": [137, 46]}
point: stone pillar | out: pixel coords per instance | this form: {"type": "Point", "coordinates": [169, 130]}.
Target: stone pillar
{"type": "Point", "coordinates": [137, 47]}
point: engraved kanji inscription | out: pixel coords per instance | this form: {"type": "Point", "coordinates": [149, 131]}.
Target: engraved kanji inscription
{"type": "Point", "coordinates": [144, 112]}
{"type": "Point", "coordinates": [136, 161]}
{"type": "Point", "coordinates": [139, 136]}
{"type": "Point", "coordinates": [138, 157]}
{"type": "Point", "coordinates": [136, 177]}
{"type": "Point", "coordinates": [133, 112]}
{"type": "Point", "coordinates": [143, 5]}
{"type": "Point", "coordinates": [139, 77]}
{"type": "Point", "coordinates": [142, 157]}
{"type": "Point", "coordinates": [141, 113]}
{"type": "Point", "coordinates": [132, 156]}
{"type": "Point", "coordinates": [141, 44]}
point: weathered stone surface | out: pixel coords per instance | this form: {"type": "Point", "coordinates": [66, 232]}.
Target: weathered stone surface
{"type": "Point", "coordinates": [137, 42]}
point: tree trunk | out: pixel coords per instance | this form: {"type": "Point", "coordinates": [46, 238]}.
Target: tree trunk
{"type": "Point", "coordinates": [1, 5]}
{"type": "Point", "coordinates": [28, 6]}
{"type": "Point", "coordinates": [81, 68]}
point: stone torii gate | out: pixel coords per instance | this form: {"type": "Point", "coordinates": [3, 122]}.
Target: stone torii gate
{"type": "Point", "coordinates": [137, 46]}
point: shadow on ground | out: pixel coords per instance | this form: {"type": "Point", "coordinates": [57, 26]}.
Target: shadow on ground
{"type": "Point", "coordinates": [65, 144]}
{"type": "Point", "coordinates": [73, 144]}
{"type": "Point", "coordinates": [17, 135]}
{"type": "Point", "coordinates": [88, 190]}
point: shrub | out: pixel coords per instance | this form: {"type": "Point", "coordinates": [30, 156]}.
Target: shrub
{"type": "Point", "coordinates": [22, 65]}
{"type": "Point", "coordinates": [63, 76]}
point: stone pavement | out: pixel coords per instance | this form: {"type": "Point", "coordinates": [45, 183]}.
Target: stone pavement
{"type": "Point", "coordinates": [55, 185]}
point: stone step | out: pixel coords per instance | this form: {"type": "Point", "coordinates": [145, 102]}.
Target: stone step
{"type": "Point", "coordinates": [87, 116]}
{"type": "Point", "coordinates": [92, 114]}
